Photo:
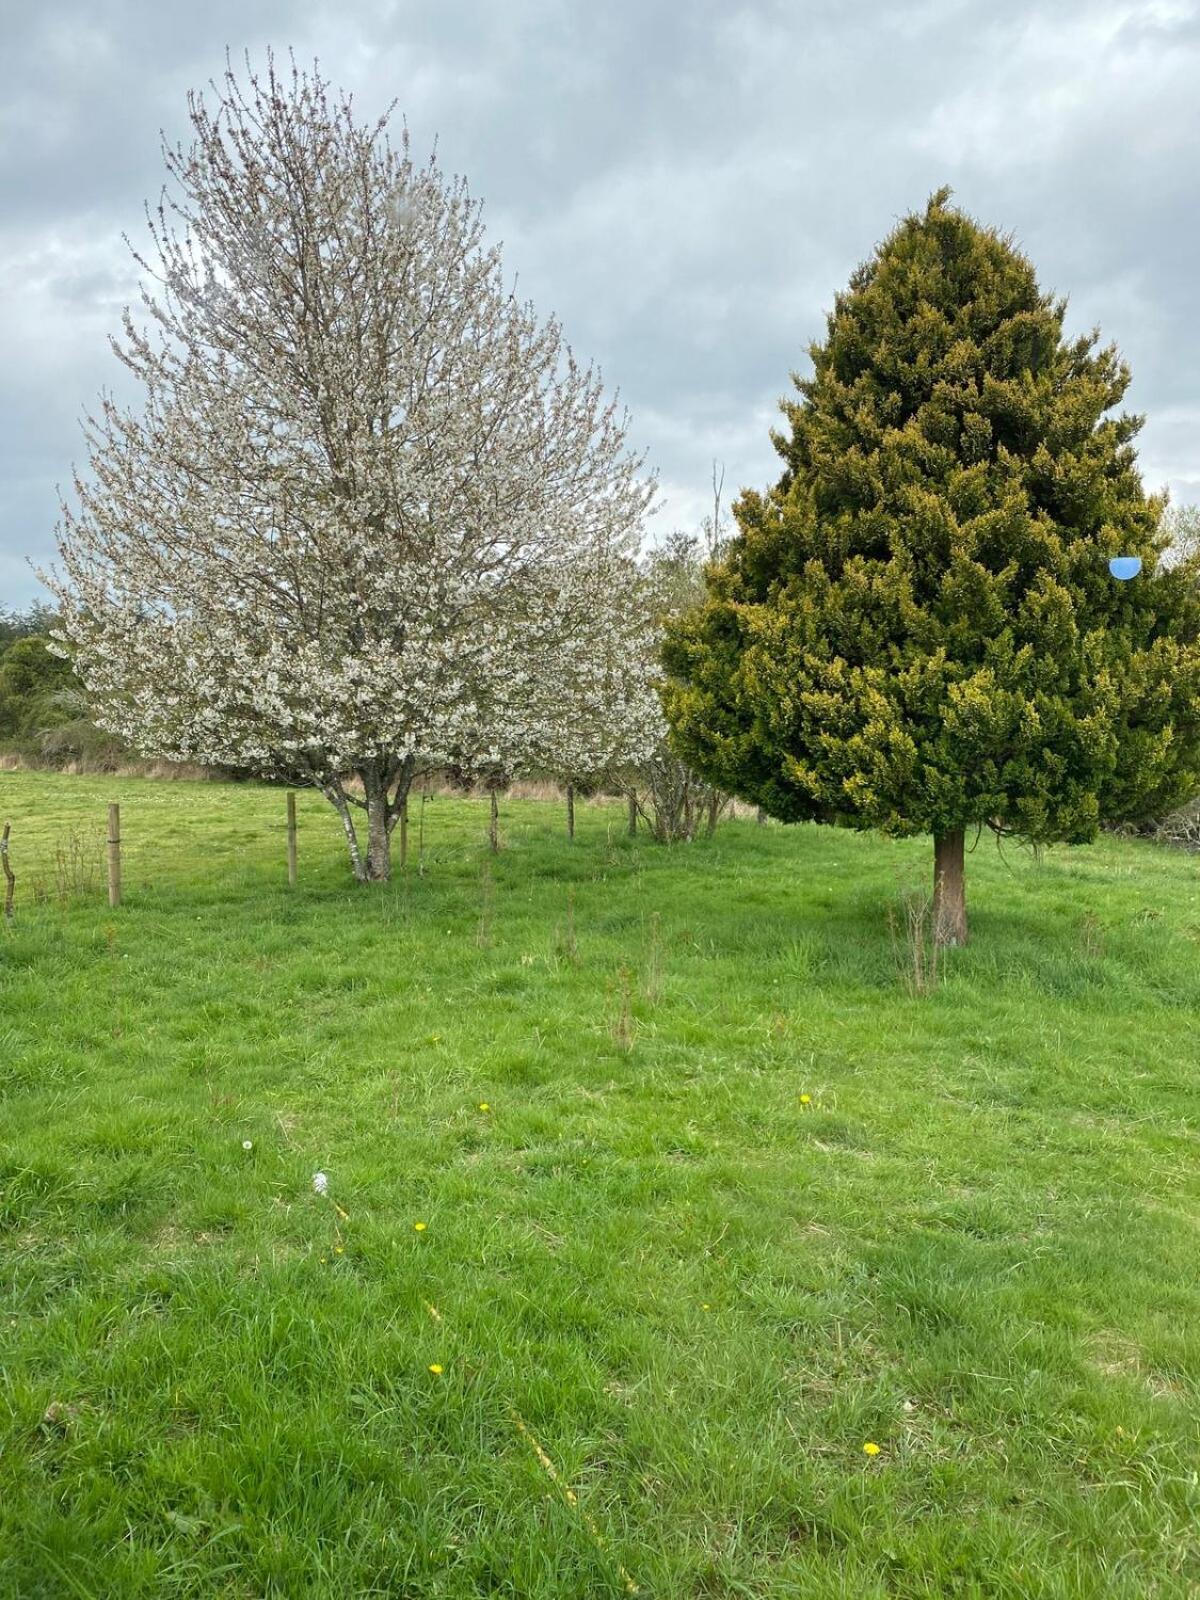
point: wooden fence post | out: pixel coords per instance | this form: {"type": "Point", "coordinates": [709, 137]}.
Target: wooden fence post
{"type": "Point", "coordinates": [291, 836]}
{"type": "Point", "coordinates": [10, 882]}
{"type": "Point", "coordinates": [114, 855]}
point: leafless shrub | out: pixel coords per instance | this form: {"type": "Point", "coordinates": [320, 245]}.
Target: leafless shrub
{"type": "Point", "coordinates": [675, 802]}
{"type": "Point", "coordinates": [1181, 828]}
{"type": "Point", "coordinates": [75, 870]}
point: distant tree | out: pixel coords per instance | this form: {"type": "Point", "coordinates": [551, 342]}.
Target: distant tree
{"type": "Point", "coordinates": [1181, 528]}
{"type": "Point", "coordinates": [31, 677]}
{"type": "Point", "coordinates": [671, 796]}
{"type": "Point", "coordinates": [616, 720]}
{"type": "Point", "coordinates": [35, 619]}
{"type": "Point", "coordinates": [916, 630]}
{"type": "Point", "coordinates": [368, 499]}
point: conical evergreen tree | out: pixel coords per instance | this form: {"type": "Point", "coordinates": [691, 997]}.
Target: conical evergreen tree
{"type": "Point", "coordinates": [917, 630]}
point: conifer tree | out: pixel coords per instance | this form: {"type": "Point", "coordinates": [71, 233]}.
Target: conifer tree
{"type": "Point", "coordinates": [916, 629]}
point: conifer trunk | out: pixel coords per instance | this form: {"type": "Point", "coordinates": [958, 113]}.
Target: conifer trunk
{"type": "Point", "coordinates": [949, 889]}
{"type": "Point", "coordinates": [570, 811]}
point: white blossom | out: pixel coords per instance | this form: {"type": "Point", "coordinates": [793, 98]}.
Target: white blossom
{"type": "Point", "coordinates": [371, 517]}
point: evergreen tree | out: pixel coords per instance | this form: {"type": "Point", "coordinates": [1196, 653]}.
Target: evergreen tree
{"type": "Point", "coordinates": [917, 630]}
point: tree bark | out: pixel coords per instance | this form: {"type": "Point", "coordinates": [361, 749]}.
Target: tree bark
{"type": "Point", "coordinates": [760, 816]}
{"type": "Point", "coordinates": [714, 811]}
{"type": "Point", "coordinates": [379, 834]}
{"type": "Point", "coordinates": [336, 796]}
{"type": "Point", "coordinates": [570, 811]}
{"type": "Point", "coordinates": [949, 889]}
{"type": "Point", "coordinates": [494, 822]}
{"type": "Point", "coordinates": [633, 813]}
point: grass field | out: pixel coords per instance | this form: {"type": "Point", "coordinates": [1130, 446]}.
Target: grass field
{"type": "Point", "coordinates": [654, 1195]}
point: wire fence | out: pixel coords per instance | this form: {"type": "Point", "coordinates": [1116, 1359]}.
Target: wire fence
{"type": "Point", "coordinates": [71, 840]}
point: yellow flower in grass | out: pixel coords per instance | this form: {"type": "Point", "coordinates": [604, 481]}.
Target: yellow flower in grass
{"type": "Point", "coordinates": [419, 1227]}
{"type": "Point", "coordinates": [806, 1099]}
{"type": "Point", "coordinates": [435, 1368]}
{"type": "Point", "coordinates": [870, 1448]}
{"type": "Point", "coordinates": [483, 1106]}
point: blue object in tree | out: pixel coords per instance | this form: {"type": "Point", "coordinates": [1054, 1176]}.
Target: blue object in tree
{"type": "Point", "coordinates": [1125, 567]}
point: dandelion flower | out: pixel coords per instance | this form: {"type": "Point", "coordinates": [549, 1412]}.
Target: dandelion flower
{"type": "Point", "coordinates": [483, 1106]}
{"type": "Point", "coordinates": [806, 1099]}
{"type": "Point", "coordinates": [320, 1183]}
{"type": "Point", "coordinates": [419, 1227]}
{"type": "Point", "coordinates": [870, 1448]}
{"type": "Point", "coordinates": [247, 1144]}
{"type": "Point", "coordinates": [339, 1251]}
{"type": "Point", "coordinates": [435, 1368]}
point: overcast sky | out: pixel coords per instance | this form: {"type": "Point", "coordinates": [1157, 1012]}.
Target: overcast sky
{"type": "Point", "coordinates": [685, 185]}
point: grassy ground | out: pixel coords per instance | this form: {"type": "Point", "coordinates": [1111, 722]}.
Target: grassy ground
{"type": "Point", "coordinates": [654, 1195]}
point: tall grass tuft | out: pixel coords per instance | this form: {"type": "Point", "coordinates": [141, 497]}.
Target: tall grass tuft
{"type": "Point", "coordinates": [914, 941]}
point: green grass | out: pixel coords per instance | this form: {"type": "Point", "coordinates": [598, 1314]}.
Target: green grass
{"type": "Point", "coordinates": [976, 1245]}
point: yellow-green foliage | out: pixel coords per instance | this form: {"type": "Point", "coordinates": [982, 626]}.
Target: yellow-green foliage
{"type": "Point", "coordinates": [917, 629]}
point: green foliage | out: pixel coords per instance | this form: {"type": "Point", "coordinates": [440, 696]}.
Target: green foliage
{"type": "Point", "coordinates": [974, 1243]}
{"type": "Point", "coordinates": [916, 629]}
{"type": "Point", "coordinates": [32, 680]}
{"type": "Point", "coordinates": [44, 712]}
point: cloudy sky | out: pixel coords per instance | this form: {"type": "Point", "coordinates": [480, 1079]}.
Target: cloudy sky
{"type": "Point", "coordinates": [686, 186]}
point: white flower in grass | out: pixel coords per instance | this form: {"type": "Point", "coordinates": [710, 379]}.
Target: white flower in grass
{"type": "Point", "coordinates": [320, 1183]}
{"type": "Point", "coordinates": [247, 1144]}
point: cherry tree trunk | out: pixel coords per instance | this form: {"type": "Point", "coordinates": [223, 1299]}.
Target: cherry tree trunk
{"type": "Point", "coordinates": [633, 813]}
{"type": "Point", "coordinates": [379, 839]}
{"type": "Point", "coordinates": [570, 811]}
{"type": "Point", "coordinates": [949, 889]}
{"type": "Point", "coordinates": [494, 821]}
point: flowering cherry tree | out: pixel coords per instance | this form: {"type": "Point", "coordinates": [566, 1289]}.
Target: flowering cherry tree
{"type": "Point", "coordinates": [368, 504]}
{"type": "Point", "coordinates": [616, 720]}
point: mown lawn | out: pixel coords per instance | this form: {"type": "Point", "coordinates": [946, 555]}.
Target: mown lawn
{"type": "Point", "coordinates": [661, 1300]}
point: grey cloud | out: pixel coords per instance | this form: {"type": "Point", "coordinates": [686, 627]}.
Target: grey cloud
{"type": "Point", "coordinates": [686, 187]}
